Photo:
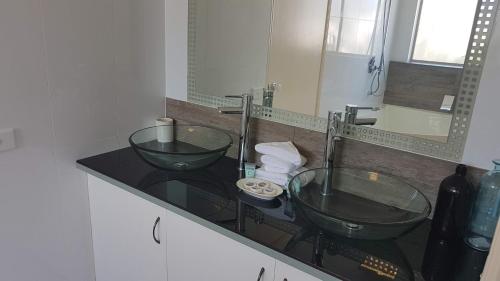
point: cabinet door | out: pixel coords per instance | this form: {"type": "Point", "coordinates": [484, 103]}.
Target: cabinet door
{"type": "Point", "coordinates": [128, 233]}
{"type": "Point", "coordinates": [198, 253]}
{"type": "Point", "coordinates": [285, 272]}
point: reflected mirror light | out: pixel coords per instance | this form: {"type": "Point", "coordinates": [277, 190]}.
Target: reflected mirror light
{"type": "Point", "coordinates": [402, 56]}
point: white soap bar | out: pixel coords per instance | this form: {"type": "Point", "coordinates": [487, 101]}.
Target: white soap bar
{"type": "Point", "coordinates": [165, 130]}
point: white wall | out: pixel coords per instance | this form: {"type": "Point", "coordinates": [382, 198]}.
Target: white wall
{"type": "Point", "coordinates": [76, 77]}
{"type": "Point", "coordinates": [483, 141]}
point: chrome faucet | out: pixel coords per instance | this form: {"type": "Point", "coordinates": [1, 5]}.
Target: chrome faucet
{"type": "Point", "coordinates": [245, 110]}
{"type": "Point", "coordinates": [268, 94]}
{"type": "Point", "coordinates": [351, 115]}
{"type": "Point", "coordinates": [333, 133]}
{"type": "Point", "coordinates": [333, 137]}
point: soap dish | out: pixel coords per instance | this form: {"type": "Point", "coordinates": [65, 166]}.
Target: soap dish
{"type": "Point", "coordinates": [262, 189]}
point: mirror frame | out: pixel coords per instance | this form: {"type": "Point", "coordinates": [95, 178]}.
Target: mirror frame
{"type": "Point", "coordinates": [452, 150]}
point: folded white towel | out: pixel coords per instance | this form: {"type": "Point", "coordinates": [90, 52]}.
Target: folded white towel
{"type": "Point", "coordinates": [276, 165]}
{"type": "Point", "coordinates": [283, 150]}
{"type": "Point", "coordinates": [277, 178]}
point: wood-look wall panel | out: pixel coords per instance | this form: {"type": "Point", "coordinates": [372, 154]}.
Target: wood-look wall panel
{"type": "Point", "coordinates": [420, 86]}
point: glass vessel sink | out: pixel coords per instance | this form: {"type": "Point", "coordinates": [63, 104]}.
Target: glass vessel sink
{"type": "Point", "coordinates": [193, 147]}
{"type": "Point", "coordinates": [362, 204]}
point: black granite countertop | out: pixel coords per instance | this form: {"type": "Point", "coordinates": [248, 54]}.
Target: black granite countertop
{"type": "Point", "coordinates": [210, 194]}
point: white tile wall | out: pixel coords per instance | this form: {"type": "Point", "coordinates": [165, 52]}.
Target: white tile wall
{"type": "Point", "coordinates": [76, 78]}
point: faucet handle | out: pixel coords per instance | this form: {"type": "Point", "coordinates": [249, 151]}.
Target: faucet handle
{"type": "Point", "coordinates": [245, 98]}
{"type": "Point", "coordinates": [232, 109]}
{"type": "Point", "coordinates": [351, 115]}
{"type": "Point", "coordinates": [274, 86]}
{"type": "Point", "coordinates": [234, 96]}
{"type": "Point", "coordinates": [246, 103]}
{"type": "Point", "coordinates": [242, 97]}
{"type": "Point", "coordinates": [355, 108]}
{"type": "Point", "coordinates": [376, 108]}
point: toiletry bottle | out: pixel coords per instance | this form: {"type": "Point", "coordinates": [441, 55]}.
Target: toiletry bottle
{"type": "Point", "coordinates": [486, 210]}
{"type": "Point", "coordinates": [470, 263]}
{"type": "Point", "coordinates": [483, 220]}
{"type": "Point", "coordinates": [453, 205]}
{"type": "Point", "coordinates": [448, 226]}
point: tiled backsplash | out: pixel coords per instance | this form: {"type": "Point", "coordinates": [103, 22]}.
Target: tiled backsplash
{"type": "Point", "coordinates": [423, 172]}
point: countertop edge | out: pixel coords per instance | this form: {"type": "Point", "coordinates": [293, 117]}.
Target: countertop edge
{"type": "Point", "coordinates": [225, 232]}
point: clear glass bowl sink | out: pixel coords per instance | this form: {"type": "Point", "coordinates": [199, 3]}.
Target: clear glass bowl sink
{"type": "Point", "coordinates": [193, 147]}
{"type": "Point", "coordinates": [362, 204]}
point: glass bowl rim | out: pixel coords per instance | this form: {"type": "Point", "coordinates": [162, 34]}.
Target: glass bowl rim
{"type": "Point", "coordinates": [425, 213]}
{"type": "Point", "coordinates": [224, 148]}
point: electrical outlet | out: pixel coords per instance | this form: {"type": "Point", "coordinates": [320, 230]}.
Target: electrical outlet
{"type": "Point", "coordinates": [7, 139]}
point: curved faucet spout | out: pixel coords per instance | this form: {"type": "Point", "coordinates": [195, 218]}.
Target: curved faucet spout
{"type": "Point", "coordinates": [333, 134]}
{"type": "Point", "coordinates": [245, 110]}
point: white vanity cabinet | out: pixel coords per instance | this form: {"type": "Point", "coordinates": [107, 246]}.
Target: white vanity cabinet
{"type": "Point", "coordinates": [285, 272]}
{"type": "Point", "coordinates": [128, 233]}
{"type": "Point", "coordinates": [198, 253]}
{"type": "Point", "coordinates": [137, 240]}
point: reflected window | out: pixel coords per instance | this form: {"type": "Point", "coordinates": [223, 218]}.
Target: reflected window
{"type": "Point", "coordinates": [352, 26]}
{"type": "Point", "coordinates": [443, 31]}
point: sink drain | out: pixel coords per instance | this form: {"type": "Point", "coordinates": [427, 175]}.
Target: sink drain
{"type": "Point", "coordinates": [352, 226]}
{"type": "Point", "coordinates": [181, 165]}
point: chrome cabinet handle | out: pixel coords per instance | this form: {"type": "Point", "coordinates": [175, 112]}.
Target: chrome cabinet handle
{"type": "Point", "coordinates": [261, 273]}
{"type": "Point", "coordinates": [157, 240]}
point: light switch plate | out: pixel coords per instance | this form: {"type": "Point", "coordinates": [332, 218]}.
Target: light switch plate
{"type": "Point", "coordinates": [7, 139]}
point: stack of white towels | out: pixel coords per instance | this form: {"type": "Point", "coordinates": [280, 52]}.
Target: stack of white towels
{"type": "Point", "coordinates": [280, 162]}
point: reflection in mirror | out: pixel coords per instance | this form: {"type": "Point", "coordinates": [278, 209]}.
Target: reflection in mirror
{"type": "Point", "coordinates": [443, 40]}
{"type": "Point", "coordinates": [270, 48]}
{"type": "Point", "coordinates": [229, 46]}
{"type": "Point", "coordinates": [403, 58]}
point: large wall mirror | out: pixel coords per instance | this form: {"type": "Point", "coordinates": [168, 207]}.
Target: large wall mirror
{"type": "Point", "coordinates": [407, 70]}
